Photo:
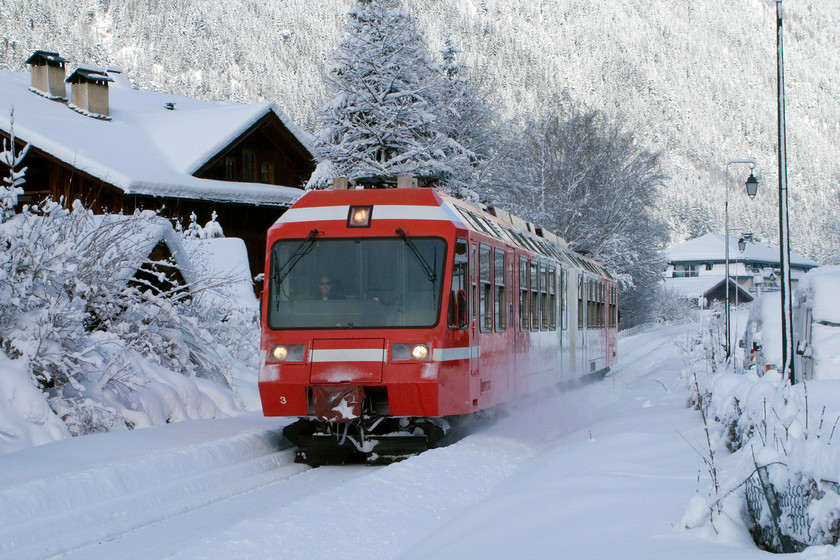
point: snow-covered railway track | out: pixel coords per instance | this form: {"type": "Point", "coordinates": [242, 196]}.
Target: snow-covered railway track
{"type": "Point", "coordinates": [107, 492]}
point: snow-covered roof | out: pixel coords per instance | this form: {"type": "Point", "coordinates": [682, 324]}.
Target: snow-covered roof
{"type": "Point", "coordinates": [145, 148]}
{"type": "Point", "coordinates": [711, 248]}
{"type": "Point", "coordinates": [694, 287]}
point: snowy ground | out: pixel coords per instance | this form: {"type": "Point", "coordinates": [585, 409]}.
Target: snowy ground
{"type": "Point", "coordinates": [604, 471]}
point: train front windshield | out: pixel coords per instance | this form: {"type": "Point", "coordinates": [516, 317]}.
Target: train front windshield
{"type": "Point", "coordinates": [356, 283]}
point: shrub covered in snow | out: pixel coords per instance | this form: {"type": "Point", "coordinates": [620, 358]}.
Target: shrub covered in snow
{"type": "Point", "coordinates": [770, 458]}
{"type": "Point", "coordinates": [108, 347]}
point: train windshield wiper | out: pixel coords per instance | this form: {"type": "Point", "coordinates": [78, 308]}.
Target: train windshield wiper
{"type": "Point", "coordinates": [430, 273]}
{"type": "Point", "coordinates": [279, 273]}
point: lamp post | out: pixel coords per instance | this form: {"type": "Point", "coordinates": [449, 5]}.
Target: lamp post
{"type": "Point", "coordinates": [784, 228]}
{"type": "Point", "coordinates": [752, 187]}
{"type": "Point", "coordinates": [742, 244]}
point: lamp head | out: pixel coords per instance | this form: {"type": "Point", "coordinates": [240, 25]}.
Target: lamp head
{"type": "Point", "coordinates": [752, 185]}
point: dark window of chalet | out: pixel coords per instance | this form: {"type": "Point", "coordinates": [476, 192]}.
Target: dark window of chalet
{"type": "Point", "coordinates": [248, 162]}
{"type": "Point", "coordinates": [266, 173]}
{"type": "Point", "coordinates": [230, 169]}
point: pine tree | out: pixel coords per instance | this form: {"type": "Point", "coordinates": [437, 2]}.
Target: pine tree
{"type": "Point", "coordinates": [469, 117]}
{"type": "Point", "coordinates": [11, 186]}
{"type": "Point", "coordinates": [384, 117]}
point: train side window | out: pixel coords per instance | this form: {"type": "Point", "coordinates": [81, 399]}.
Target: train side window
{"type": "Point", "coordinates": [485, 292]}
{"type": "Point", "coordinates": [458, 313]}
{"type": "Point", "coordinates": [500, 300]}
{"type": "Point", "coordinates": [544, 309]}
{"type": "Point", "coordinates": [535, 297]}
{"type": "Point", "coordinates": [473, 280]}
{"type": "Point", "coordinates": [580, 307]}
{"type": "Point", "coordinates": [601, 301]}
{"type": "Point", "coordinates": [523, 294]}
{"type": "Point", "coordinates": [564, 312]}
{"type": "Point", "coordinates": [552, 298]}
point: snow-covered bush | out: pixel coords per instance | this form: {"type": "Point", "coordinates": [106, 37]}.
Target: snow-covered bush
{"type": "Point", "coordinates": [771, 463]}
{"type": "Point", "coordinates": [108, 346]}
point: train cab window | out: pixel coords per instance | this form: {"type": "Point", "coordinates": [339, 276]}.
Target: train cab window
{"type": "Point", "coordinates": [564, 312]}
{"type": "Point", "coordinates": [524, 321]}
{"type": "Point", "coordinates": [485, 292]}
{"type": "Point", "coordinates": [352, 283]}
{"type": "Point", "coordinates": [552, 298]}
{"type": "Point", "coordinates": [613, 306]}
{"type": "Point", "coordinates": [535, 297]}
{"type": "Point", "coordinates": [580, 307]}
{"type": "Point", "coordinates": [500, 299]}
{"type": "Point", "coordinates": [458, 302]}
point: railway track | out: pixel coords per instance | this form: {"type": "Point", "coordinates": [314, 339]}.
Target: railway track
{"type": "Point", "coordinates": [113, 494]}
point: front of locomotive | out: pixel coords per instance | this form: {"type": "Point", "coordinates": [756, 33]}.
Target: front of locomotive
{"type": "Point", "coordinates": [353, 309]}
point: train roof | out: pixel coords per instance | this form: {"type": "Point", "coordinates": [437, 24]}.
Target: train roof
{"type": "Point", "coordinates": [418, 203]}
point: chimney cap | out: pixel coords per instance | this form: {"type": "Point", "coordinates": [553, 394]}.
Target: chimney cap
{"type": "Point", "coordinates": [39, 58]}
{"type": "Point", "coordinates": [89, 74]}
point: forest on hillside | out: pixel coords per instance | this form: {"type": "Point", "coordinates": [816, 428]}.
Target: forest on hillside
{"type": "Point", "coordinates": [696, 83]}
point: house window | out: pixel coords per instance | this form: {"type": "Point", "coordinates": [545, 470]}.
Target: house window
{"type": "Point", "coordinates": [686, 270]}
{"type": "Point", "coordinates": [266, 173]}
{"type": "Point", "coordinates": [230, 169]}
{"type": "Point", "coordinates": [248, 160]}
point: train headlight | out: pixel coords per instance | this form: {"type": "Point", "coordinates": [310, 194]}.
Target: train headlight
{"type": "Point", "coordinates": [419, 351]}
{"type": "Point", "coordinates": [280, 353]}
{"type": "Point", "coordinates": [401, 352]}
{"type": "Point", "coordinates": [287, 353]}
{"type": "Point", "coordinates": [359, 216]}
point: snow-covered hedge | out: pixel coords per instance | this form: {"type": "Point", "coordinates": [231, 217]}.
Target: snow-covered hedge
{"type": "Point", "coordinates": [772, 467]}
{"type": "Point", "coordinates": [107, 348]}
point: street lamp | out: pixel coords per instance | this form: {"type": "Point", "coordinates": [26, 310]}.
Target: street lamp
{"type": "Point", "coordinates": [784, 227]}
{"type": "Point", "coordinates": [751, 185]}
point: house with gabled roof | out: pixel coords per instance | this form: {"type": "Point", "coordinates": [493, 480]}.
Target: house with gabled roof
{"type": "Point", "coordinates": [697, 268]}
{"type": "Point", "coordinates": [119, 149]}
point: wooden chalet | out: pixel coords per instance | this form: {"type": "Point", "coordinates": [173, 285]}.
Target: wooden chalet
{"type": "Point", "coordinates": [120, 149]}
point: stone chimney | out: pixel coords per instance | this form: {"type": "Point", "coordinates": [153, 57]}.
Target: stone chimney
{"type": "Point", "coordinates": [48, 74]}
{"type": "Point", "coordinates": [89, 91]}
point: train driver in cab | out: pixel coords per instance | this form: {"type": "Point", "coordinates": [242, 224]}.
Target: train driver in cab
{"type": "Point", "coordinates": [325, 287]}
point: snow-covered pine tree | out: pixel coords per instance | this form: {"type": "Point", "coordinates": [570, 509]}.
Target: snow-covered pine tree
{"type": "Point", "coordinates": [10, 189]}
{"type": "Point", "coordinates": [384, 117]}
{"type": "Point", "coordinates": [469, 118]}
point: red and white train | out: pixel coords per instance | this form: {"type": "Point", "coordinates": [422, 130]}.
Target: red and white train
{"type": "Point", "coordinates": [388, 311]}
